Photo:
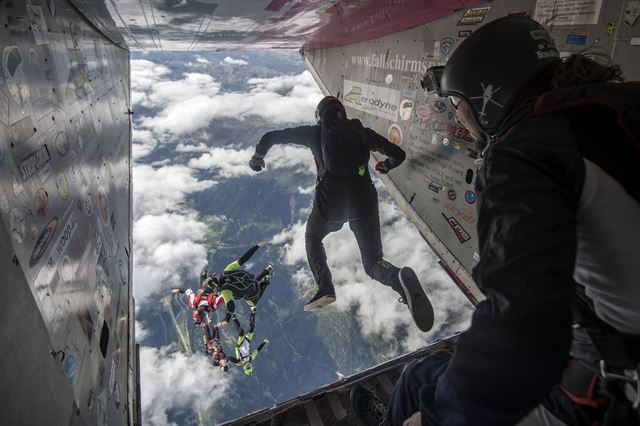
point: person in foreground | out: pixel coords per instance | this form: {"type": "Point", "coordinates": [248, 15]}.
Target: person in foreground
{"type": "Point", "coordinates": [345, 193]}
{"type": "Point", "coordinates": [557, 341]}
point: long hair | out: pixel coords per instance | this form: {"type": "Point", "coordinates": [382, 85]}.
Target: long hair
{"type": "Point", "coordinates": [585, 67]}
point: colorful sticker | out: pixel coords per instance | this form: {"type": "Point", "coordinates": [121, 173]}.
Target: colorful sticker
{"type": "Point", "coordinates": [474, 15]}
{"type": "Point", "coordinates": [395, 134]}
{"type": "Point", "coordinates": [470, 197]}
{"type": "Point", "coordinates": [439, 106]}
{"type": "Point", "coordinates": [577, 38]}
{"type": "Point", "coordinates": [406, 109]}
{"type": "Point", "coordinates": [62, 143]}
{"type": "Point", "coordinates": [446, 45]}
{"type": "Point", "coordinates": [70, 367]}
{"type": "Point", "coordinates": [423, 112]}
{"type": "Point", "coordinates": [462, 235]}
{"type": "Point", "coordinates": [43, 241]}
{"type": "Point", "coordinates": [41, 203]}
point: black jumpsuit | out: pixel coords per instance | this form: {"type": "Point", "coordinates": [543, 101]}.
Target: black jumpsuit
{"type": "Point", "coordinates": [340, 199]}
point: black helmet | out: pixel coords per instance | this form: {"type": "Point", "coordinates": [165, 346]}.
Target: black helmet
{"type": "Point", "coordinates": [494, 65]}
{"type": "Point", "coordinates": [329, 103]}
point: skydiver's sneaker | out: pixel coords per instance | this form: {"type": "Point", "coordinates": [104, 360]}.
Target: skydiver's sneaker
{"type": "Point", "coordinates": [416, 299]}
{"type": "Point", "coordinates": [320, 300]}
{"type": "Point", "coordinates": [370, 410]}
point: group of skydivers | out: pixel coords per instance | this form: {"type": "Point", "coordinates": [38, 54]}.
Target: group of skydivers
{"type": "Point", "coordinates": [557, 340]}
{"type": "Point", "coordinates": [217, 290]}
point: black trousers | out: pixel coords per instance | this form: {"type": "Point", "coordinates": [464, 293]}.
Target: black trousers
{"type": "Point", "coordinates": [366, 229]}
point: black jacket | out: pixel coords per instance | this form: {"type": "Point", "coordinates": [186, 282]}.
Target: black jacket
{"type": "Point", "coordinates": [338, 198]}
{"type": "Point", "coordinates": [528, 192]}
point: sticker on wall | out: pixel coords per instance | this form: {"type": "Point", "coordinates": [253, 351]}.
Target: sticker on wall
{"type": "Point", "coordinates": [18, 26]}
{"type": "Point", "coordinates": [15, 77]}
{"type": "Point", "coordinates": [87, 205]}
{"type": "Point", "coordinates": [51, 5]}
{"type": "Point", "coordinates": [409, 93]}
{"type": "Point", "coordinates": [62, 184]}
{"type": "Point", "coordinates": [34, 162]}
{"type": "Point", "coordinates": [43, 241]}
{"type": "Point", "coordinates": [577, 38]}
{"type": "Point", "coordinates": [38, 24]}
{"type": "Point", "coordinates": [70, 367]}
{"type": "Point", "coordinates": [631, 12]}
{"type": "Point", "coordinates": [103, 205]}
{"type": "Point", "coordinates": [388, 79]}
{"type": "Point", "coordinates": [62, 143]}
{"type": "Point", "coordinates": [451, 194]}
{"type": "Point", "coordinates": [474, 15]}
{"type": "Point", "coordinates": [66, 269]}
{"type": "Point", "coordinates": [461, 233]}
{"type": "Point", "coordinates": [439, 106]}
{"type": "Point", "coordinates": [33, 232]}
{"type": "Point", "coordinates": [406, 109]}
{"type": "Point", "coordinates": [446, 45]}
{"type": "Point", "coordinates": [122, 268]}
{"type": "Point", "coordinates": [72, 174]}
{"type": "Point", "coordinates": [423, 112]}
{"type": "Point", "coordinates": [116, 394]}
{"type": "Point", "coordinates": [17, 225]}
{"type": "Point", "coordinates": [470, 197]}
{"type": "Point", "coordinates": [395, 134]}
{"type": "Point", "coordinates": [41, 203]}
{"type": "Point", "coordinates": [464, 33]}
{"type": "Point", "coordinates": [86, 322]}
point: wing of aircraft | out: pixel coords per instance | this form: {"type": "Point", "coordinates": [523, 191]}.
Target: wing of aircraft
{"type": "Point", "coordinates": [65, 159]}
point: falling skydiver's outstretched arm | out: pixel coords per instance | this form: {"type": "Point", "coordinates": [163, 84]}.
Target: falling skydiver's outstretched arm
{"type": "Point", "coordinates": [308, 136]}
{"type": "Point", "coordinates": [236, 264]}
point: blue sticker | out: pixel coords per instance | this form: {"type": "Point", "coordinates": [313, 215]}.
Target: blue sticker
{"type": "Point", "coordinates": [470, 197]}
{"type": "Point", "coordinates": [446, 45]}
{"type": "Point", "coordinates": [408, 93]}
{"type": "Point", "coordinates": [439, 106]}
{"type": "Point", "coordinates": [70, 368]}
{"type": "Point", "coordinates": [578, 38]}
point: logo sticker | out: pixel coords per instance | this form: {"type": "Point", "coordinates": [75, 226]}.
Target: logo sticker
{"type": "Point", "coordinates": [474, 15]}
{"type": "Point", "coordinates": [379, 101]}
{"type": "Point", "coordinates": [463, 34]}
{"type": "Point", "coordinates": [87, 205]}
{"type": "Point", "coordinates": [487, 97]}
{"type": "Point", "coordinates": [446, 45]}
{"type": "Point", "coordinates": [70, 368]}
{"type": "Point", "coordinates": [451, 194]}
{"type": "Point", "coordinates": [470, 197]}
{"type": "Point", "coordinates": [62, 143]}
{"type": "Point", "coordinates": [439, 106]}
{"type": "Point", "coordinates": [13, 67]}
{"type": "Point", "coordinates": [41, 203]}
{"type": "Point", "coordinates": [34, 162]}
{"type": "Point", "coordinates": [462, 235]}
{"type": "Point", "coordinates": [406, 109]}
{"type": "Point", "coordinates": [395, 134]}
{"type": "Point", "coordinates": [43, 241]}
{"type": "Point", "coordinates": [62, 185]}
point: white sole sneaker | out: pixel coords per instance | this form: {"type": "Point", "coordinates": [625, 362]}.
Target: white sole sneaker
{"type": "Point", "coordinates": [320, 303]}
{"type": "Point", "coordinates": [418, 302]}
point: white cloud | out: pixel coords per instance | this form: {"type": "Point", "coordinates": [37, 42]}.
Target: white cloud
{"type": "Point", "coordinates": [143, 143]}
{"type": "Point", "coordinates": [144, 75]}
{"type": "Point", "coordinates": [163, 189]}
{"type": "Point", "coordinates": [201, 147]}
{"type": "Point", "coordinates": [201, 60]}
{"type": "Point", "coordinates": [377, 309]}
{"type": "Point", "coordinates": [188, 104]}
{"type": "Point", "coordinates": [229, 60]}
{"type": "Point", "coordinates": [173, 380]}
{"type": "Point", "coordinates": [141, 332]}
{"type": "Point", "coordinates": [234, 162]}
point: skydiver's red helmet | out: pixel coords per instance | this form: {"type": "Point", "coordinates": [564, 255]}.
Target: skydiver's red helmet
{"type": "Point", "coordinates": [330, 104]}
{"type": "Point", "coordinates": [196, 317]}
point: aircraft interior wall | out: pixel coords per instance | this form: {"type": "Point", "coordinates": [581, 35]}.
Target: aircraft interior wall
{"type": "Point", "coordinates": [68, 351]}
{"type": "Point", "coordinates": [379, 83]}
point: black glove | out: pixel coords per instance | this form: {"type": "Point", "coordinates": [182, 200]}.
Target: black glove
{"type": "Point", "coordinates": [383, 167]}
{"type": "Point", "coordinates": [256, 163]}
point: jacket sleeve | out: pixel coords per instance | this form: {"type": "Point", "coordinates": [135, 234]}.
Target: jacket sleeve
{"type": "Point", "coordinates": [301, 135]}
{"type": "Point", "coordinates": [379, 143]}
{"type": "Point", "coordinates": [519, 338]}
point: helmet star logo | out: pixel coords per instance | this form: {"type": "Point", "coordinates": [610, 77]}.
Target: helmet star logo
{"type": "Point", "coordinates": [487, 95]}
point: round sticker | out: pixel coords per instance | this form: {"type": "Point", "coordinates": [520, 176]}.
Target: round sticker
{"type": "Point", "coordinates": [17, 225]}
{"type": "Point", "coordinates": [87, 205]}
{"type": "Point", "coordinates": [406, 109]}
{"type": "Point", "coordinates": [439, 106]}
{"type": "Point", "coordinates": [451, 194]}
{"type": "Point", "coordinates": [62, 184]}
{"type": "Point", "coordinates": [43, 241]}
{"type": "Point", "coordinates": [423, 112]}
{"type": "Point", "coordinates": [395, 134]}
{"type": "Point", "coordinates": [470, 197]}
{"type": "Point", "coordinates": [104, 206]}
{"type": "Point", "coordinates": [388, 79]}
{"type": "Point", "coordinates": [41, 203]}
{"type": "Point", "coordinates": [62, 143]}
{"type": "Point", "coordinates": [33, 232]}
{"type": "Point", "coordinates": [66, 269]}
